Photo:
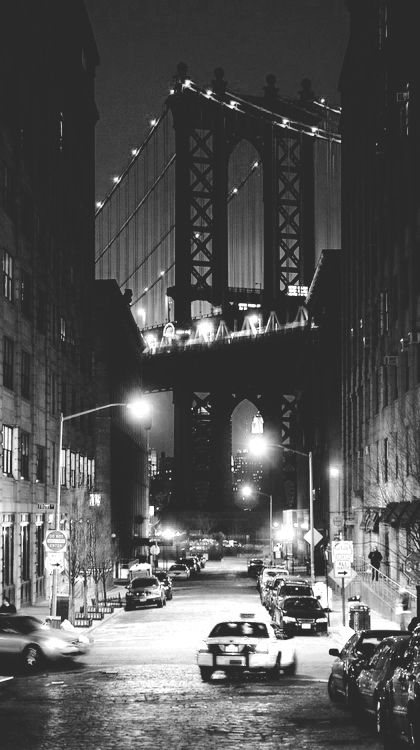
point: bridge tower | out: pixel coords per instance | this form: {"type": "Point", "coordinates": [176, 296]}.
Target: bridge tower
{"type": "Point", "coordinates": [205, 136]}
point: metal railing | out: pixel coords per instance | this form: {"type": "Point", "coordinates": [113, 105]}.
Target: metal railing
{"type": "Point", "coordinates": [383, 593]}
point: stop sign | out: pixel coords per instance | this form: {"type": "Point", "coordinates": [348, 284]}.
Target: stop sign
{"type": "Point", "coordinates": [55, 541]}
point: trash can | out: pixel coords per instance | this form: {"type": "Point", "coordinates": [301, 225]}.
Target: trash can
{"type": "Point", "coordinates": [359, 617]}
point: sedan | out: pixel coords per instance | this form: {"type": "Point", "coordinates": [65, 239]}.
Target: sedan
{"type": "Point", "coordinates": [34, 642]}
{"type": "Point", "coordinates": [374, 676]}
{"type": "Point", "coordinates": [302, 614]}
{"type": "Point", "coordinates": [352, 658]}
{"type": "Point", "coordinates": [178, 570]}
{"type": "Point", "coordinates": [244, 645]}
{"type": "Point", "coordinates": [144, 591]}
{"type": "Point", "coordinates": [255, 566]}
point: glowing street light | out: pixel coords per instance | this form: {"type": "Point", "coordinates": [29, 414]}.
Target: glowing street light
{"type": "Point", "coordinates": [259, 446]}
{"type": "Point", "coordinates": [248, 491]}
{"type": "Point", "coordinates": [140, 409]}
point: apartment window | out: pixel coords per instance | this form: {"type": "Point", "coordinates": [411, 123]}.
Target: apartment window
{"type": "Point", "coordinates": [72, 469]}
{"type": "Point", "coordinates": [7, 550]}
{"type": "Point", "coordinates": [41, 320]}
{"type": "Point", "coordinates": [8, 362]}
{"type": "Point", "coordinates": [25, 547]}
{"type": "Point", "coordinates": [382, 25]}
{"type": "Point", "coordinates": [54, 394]}
{"type": "Point", "coordinates": [24, 454]}
{"type": "Point", "coordinates": [39, 541]}
{"type": "Point", "coordinates": [53, 452]}
{"type": "Point", "coordinates": [385, 385]}
{"type": "Point", "coordinates": [397, 463]}
{"type": "Point", "coordinates": [63, 398]}
{"type": "Point", "coordinates": [63, 467]}
{"type": "Point", "coordinates": [6, 188]}
{"type": "Point", "coordinates": [90, 473]}
{"type": "Point", "coordinates": [63, 329]}
{"type": "Point", "coordinates": [26, 293]}
{"type": "Point", "coordinates": [386, 460]}
{"type": "Point", "coordinates": [8, 268]}
{"type": "Point", "coordinates": [25, 375]}
{"type": "Point", "coordinates": [377, 462]}
{"type": "Point", "coordinates": [7, 456]}
{"type": "Point", "coordinates": [82, 470]}
{"type": "Point", "coordinates": [407, 453]}
{"type": "Point", "coordinates": [383, 312]}
{"type": "Point", "coordinates": [40, 463]}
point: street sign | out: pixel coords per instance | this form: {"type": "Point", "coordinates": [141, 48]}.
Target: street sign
{"type": "Point", "coordinates": [343, 580]}
{"type": "Point", "coordinates": [342, 551]}
{"type": "Point", "coordinates": [154, 549]}
{"type": "Point", "coordinates": [54, 561]}
{"type": "Point", "coordinates": [55, 541]}
{"type": "Point", "coordinates": [317, 537]}
{"type": "Point", "coordinates": [342, 570]}
{"type": "Point", "coordinates": [337, 521]}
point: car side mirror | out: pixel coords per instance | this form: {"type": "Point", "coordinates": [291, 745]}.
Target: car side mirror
{"type": "Point", "coordinates": [334, 652]}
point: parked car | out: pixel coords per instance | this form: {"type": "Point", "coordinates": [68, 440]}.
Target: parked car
{"type": "Point", "coordinates": [179, 570]}
{"type": "Point", "coordinates": [144, 591]}
{"type": "Point", "coordinates": [267, 573]}
{"type": "Point", "coordinates": [246, 644]}
{"type": "Point", "coordinates": [399, 708]}
{"type": "Point", "coordinates": [373, 677]}
{"type": "Point", "coordinates": [269, 591]}
{"type": "Point", "coordinates": [166, 582]}
{"type": "Point", "coordinates": [34, 642]}
{"type": "Point", "coordinates": [351, 659]}
{"type": "Point", "coordinates": [255, 566]}
{"type": "Point", "coordinates": [192, 563]}
{"type": "Point", "coordinates": [297, 587]}
{"type": "Point", "coordinates": [302, 615]}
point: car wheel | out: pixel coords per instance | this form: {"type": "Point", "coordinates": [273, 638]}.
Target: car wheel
{"type": "Point", "coordinates": [169, 596]}
{"type": "Point", "coordinates": [291, 669]}
{"type": "Point", "coordinates": [275, 672]}
{"type": "Point", "coordinates": [206, 673]}
{"type": "Point", "coordinates": [332, 689]}
{"type": "Point", "coordinates": [32, 658]}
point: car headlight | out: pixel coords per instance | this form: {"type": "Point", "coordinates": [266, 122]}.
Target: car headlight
{"type": "Point", "coordinates": [203, 648]}
{"type": "Point", "coordinates": [322, 619]}
{"type": "Point", "coordinates": [56, 643]}
{"type": "Point", "coordinates": [286, 618]}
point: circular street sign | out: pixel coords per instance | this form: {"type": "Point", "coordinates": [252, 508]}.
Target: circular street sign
{"type": "Point", "coordinates": [154, 549]}
{"type": "Point", "coordinates": [55, 541]}
{"type": "Point", "coordinates": [337, 520]}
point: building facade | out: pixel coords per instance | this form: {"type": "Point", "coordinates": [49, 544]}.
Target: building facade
{"type": "Point", "coordinates": [381, 281]}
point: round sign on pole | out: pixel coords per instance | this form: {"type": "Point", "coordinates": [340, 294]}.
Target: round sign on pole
{"type": "Point", "coordinates": [154, 549]}
{"type": "Point", "coordinates": [55, 541]}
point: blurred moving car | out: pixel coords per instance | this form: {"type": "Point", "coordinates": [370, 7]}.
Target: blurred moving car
{"type": "Point", "coordinates": [178, 570]}
{"type": "Point", "coordinates": [34, 642]}
{"type": "Point", "coordinates": [255, 566]}
{"type": "Point", "coordinates": [166, 582]}
{"type": "Point", "coordinates": [144, 591]}
{"type": "Point", "coordinates": [268, 592]}
{"type": "Point", "coordinates": [302, 614]}
{"type": "Point", "coordinates": [246, 644]}
{"type": "Point", "coordinates": [266, 574]}
{"type": "Point", "coordinates": [373, 677]}
{"type": "Point", "coordinates": [399, 708]}
{"type": "Point", "coordinates": [353, 657]}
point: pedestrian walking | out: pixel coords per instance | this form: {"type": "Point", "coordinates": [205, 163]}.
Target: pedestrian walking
{"type": "Point", "coordinates": [375, 558]}
{"type": "Point", "coordinates": [6, 606]}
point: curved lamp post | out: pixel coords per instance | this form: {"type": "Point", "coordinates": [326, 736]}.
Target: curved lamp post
{"type": "Point", "coordinates": [139, 409]}
{"type": "Point", "coordinates": [248, 492]}
{"type": "Point", "coordinates": [259, 446]}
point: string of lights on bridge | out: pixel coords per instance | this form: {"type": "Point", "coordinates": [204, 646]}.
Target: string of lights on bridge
{"type": "Point", "coordinates": [236, 103]}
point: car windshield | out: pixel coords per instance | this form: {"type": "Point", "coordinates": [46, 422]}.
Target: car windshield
{"type": "Point", "coordinates": [141, 583]}
{"type": "Point", "coordinates": [242, 629]}
{"type": "Point", "coordinates": [177, 567]}
{"type": "Point", "coordinates": [291, 590]}
{"type": "Point", "coordinates": [302, 602]}
{"type": "Point", "coordinates": [25, 624]}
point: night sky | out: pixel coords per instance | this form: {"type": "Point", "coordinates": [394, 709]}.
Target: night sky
{"type": "Point", "coordinates": [140, 43]}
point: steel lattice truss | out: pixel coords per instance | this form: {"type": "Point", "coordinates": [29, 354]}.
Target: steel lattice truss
{"type": "Point", "coordinates": [289, 211]}
{"type": "Point", "coordinates": [201, 208]}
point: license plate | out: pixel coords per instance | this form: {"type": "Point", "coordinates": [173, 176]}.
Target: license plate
{"type": "Point", "coordinates": [306, 625]}
{"type": "Point", "coordinates": [225, 661]}
{"type": "Point", "coordinates": [235, 661]}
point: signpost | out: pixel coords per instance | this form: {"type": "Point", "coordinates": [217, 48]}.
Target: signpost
{"type": "Point", "coordinates": [342, 555]}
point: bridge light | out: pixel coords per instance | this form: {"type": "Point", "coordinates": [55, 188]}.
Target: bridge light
{"type": "Point", "coordinates": [99, 204]}
{"type": "Point", "coordinates": [153, 122]}
{"type": "Point", "coordinates": [187, 83]}
{"type": "Point", "coordinates": [209, 93]}
{"type": "Point", "coordinates": [234, 190]}
{"type": "Point", "coordinates": [146, 289]}
{"type": "Point", "coordinates": [255, 164]}
{"type": "Point", "coordinates": [116, 179]}
{"type": "Point", "coordinates": [162, 273]}
{"type": "Point", "coordinates": [285, 121]}
{"type": "Point", "coordinates": [233, 104]}
{"type": "Point", "coordinates": [134, 151]}
{"type": "Point", "coordinates": [314, 130]}
{"type": "Point", "coordinates": [171, 92]}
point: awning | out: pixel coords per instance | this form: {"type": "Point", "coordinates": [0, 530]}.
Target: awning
{"type": "Point", "coordinates": [401, 514]}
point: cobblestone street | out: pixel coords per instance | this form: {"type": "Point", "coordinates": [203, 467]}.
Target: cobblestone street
{"type": "Point", "coordinates": [140, 687]}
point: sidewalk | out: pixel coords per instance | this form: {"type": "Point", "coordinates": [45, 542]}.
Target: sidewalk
{"type": "Point", "coordinates": [41, 610]}
{"type": "Point", "coordinates": [343, 632]}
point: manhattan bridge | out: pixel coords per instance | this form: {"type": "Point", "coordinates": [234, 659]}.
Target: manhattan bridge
{"type": "Point", "coordinates": [216, 225]}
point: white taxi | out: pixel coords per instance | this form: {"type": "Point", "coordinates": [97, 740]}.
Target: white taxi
{"type": "Point", "coordinates": [245, 644]}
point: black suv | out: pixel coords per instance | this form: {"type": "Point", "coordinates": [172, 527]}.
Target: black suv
{"type": "Point", "coordinates": [400, 700]}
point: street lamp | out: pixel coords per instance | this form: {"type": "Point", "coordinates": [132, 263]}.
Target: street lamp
{"type": "Point", "coordinates": [139, 408]}
{"type": "Point", "coordinates": [248, 491]}
{"type": "Point", "coordinates": [258, 446]}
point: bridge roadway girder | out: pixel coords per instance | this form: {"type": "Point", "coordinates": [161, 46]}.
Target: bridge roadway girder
{"type": "Point", "coordinates": [280, 360]}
